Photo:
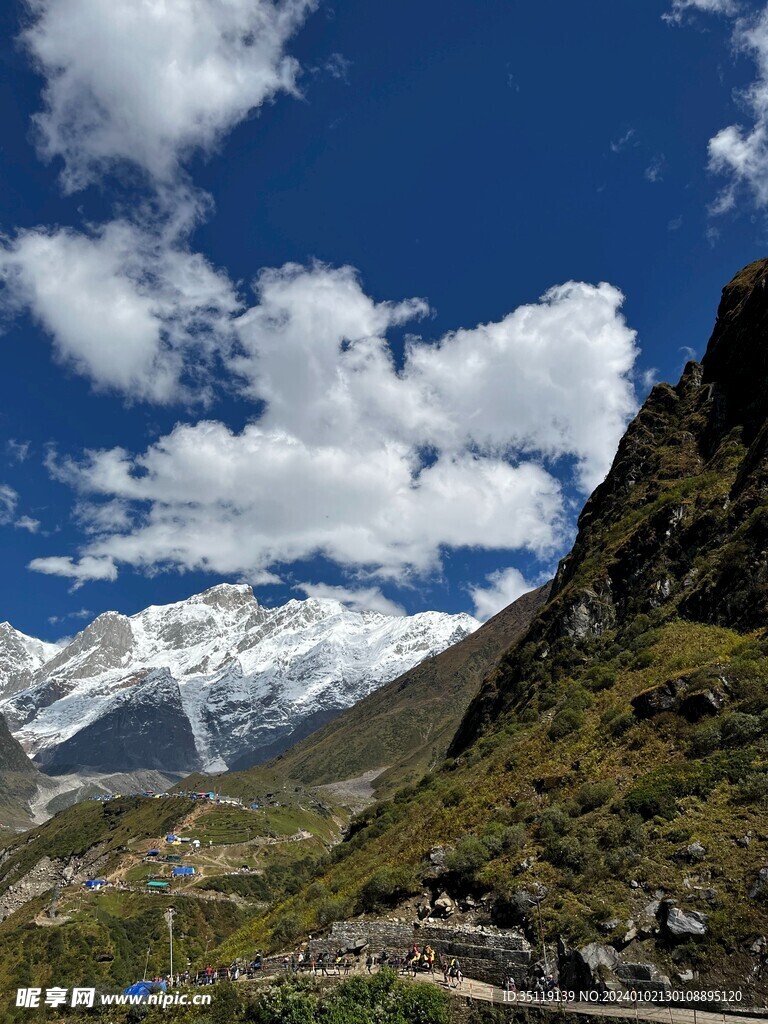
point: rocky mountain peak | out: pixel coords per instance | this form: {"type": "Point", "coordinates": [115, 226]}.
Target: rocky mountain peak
{"type": "Point", "coordinates": [20, 657]}
{"type": "Point", "coordinates": [233, 681]}
{"type": "Point", "coordinates": [736, 360]}
{"type": "Point", "coordinates": [227, 596]}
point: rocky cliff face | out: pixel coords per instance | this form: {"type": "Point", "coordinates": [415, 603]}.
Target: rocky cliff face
{"type": "Point", "coordinates": [20, 657]}
{"type": "Point", "coordinates": [211, 681]}
{"type": "Point", "coordinates": [679, 526]}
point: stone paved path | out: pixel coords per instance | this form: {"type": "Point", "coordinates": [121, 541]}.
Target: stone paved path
{"type": "Point", "coordinates": [672, 1014]}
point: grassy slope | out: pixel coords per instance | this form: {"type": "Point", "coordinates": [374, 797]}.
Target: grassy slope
{"type": "Point", "coordinates": [103, 939]}
{"type": "Point", "coordinates": [405, 727]}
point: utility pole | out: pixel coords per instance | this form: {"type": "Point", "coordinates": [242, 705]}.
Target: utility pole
{"type": "Point", "coordinates": [537, 903]}
{"type": "Point", "coordinates": [146, 963]}
{"type": "Point", "coordinates": [169, 918]}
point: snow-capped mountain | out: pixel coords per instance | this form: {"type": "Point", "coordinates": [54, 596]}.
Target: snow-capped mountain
{"type": "Point", "coordinates": [20, 657]}
{"type": "Point", "coordinates": [211, 682]}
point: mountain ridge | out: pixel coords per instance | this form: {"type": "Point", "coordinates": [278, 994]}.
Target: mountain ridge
{"type": "Point", "coordinates": [219, 672]}
{"type": "Point", "coordinates": [402, 728]}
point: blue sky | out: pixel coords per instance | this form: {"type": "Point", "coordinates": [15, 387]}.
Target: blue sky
{"type": "Point", "coordinates": [273, 282]}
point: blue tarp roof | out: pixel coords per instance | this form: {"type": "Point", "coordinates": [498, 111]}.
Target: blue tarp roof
{"type": "Point", "coordinates": [183, 871]}
{"type": "Point", "coordinates": [152, 853]}
{"type": "Point", "coordinates": [145, 988]}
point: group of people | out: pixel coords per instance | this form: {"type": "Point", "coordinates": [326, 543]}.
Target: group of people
{"type": "Point", "coordinates": [210, 975]}
{"type": "Point", "coordinates": [414, 960]}
{"type": "Point", "coordinates": [539, 984]}
{"type": "Point", "coordinates": [342, 961]}
{"type": "Point", "coordinates": [425, 960]}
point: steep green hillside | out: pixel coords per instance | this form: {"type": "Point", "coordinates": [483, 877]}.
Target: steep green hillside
{"type": "Point", "coordinates": [19, 783]}
{"type": "Point", "coordinates": [104, 940]}
{"type": "Point", "coordinates": [615, 763]}
{"type": "Point", "coordinates": [402, 729]}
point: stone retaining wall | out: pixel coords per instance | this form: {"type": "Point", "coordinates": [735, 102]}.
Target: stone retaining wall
{"type": "Point", "coordinates": [488, 955]}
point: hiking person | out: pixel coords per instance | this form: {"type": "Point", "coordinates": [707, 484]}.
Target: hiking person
{"type": "Point", "coordinates": [339, 960]}
{"type": "Point", "coordinates": [454, 973]}
{"type": "Point", "coordinates": [369, 963]}
{"type": "Point", "coordinates": [444, 968]}
{"type": "Point", "coordinates": [429, 953]}
{"type": "Point", "coordinates": [321, 966]}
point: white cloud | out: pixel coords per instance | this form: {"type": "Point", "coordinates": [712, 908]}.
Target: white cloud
{"type": "Point", "coordinates": [150, 82]}
{"type": "Point", "coordinates": [101, 517]}
{"type": "Point", "coordinates": [18, 451]}
{"type": "Point", "coordinates": [8, 501]}
{"type": "Point", "coordinates": [27, 523]}
{"type": "Point", "coordinates": [376, 466]}
{"type": "Point", "coordinates": [739, 152]}
{"type": "Point", "coordinates": [626, 140]}
{"type": "Point", "coordinates": [506, 586]}
{"type": "Point", "coordinates": [129, 307]}
{"type": "Point", "coordinates": [654, 172]}
{"type": "Point", "coordinates": [649, 377]}
{"type": "Point", "coordinates": [681, 7]}
{"type": "Point", "coordinates": [552, 378]}
{"type": "Point", "coordinates": [364, 599]}
{"type": "Point", "coordinates": [81, 613]}
{"type": "Point", "coordinates": [236, 503]}
{"type": "Point", "coordinates": [85, 569]}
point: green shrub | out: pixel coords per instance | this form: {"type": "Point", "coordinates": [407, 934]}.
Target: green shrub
{"type": "Point", "coordinates": [593, 795]}
{"type": "Point", "coordinates": [565, 722]}
{"type": "Point", "coordinates": [498, 838]}
{"type": "Point", "coordinates": [467, 858]}
{"type": "Point", "coordinates": [253, 886]}
{"type": "Point", "coordinates": [454, 796]}
{"type": "Point", "coordinates": [285, 928]}
{"type": "Point", "coordinates": [600, 677]}
{"type": "Point", "coordinates": [565, 851]}
{"type": "Point", "coordinates": [643, 659]}
{"type": "Point", "coordinates": [655, 794]}
{"type": "Point", "coordinates": [753, 790]}
{"type": "Point", "coordinates": [386, 888]}
{"type": "Point", "coordinates": [739, 729]}
{"type": "Point", "coordinates": [330, 909]}
{"type": "Point", "coordinates": [706, 739]}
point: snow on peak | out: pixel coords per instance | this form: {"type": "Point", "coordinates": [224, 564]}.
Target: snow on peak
{"type": "Point", "coordinates": [247, 677]}
{"type": "Point", "coordinates": [20, 657]}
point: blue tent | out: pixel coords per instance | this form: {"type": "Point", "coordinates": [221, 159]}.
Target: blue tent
{"type": "Point", "coordinates": [153, 853]}
{"type": "Point", "coordinates": [145, 988]}
{"type": "Point", "coordinates": [95, 883]}
{"type": "Point", "coordinates": [183, 871]}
